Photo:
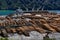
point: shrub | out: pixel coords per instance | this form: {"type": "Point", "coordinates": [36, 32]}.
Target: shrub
{"type": "Point", "coordinates": [4, 38]}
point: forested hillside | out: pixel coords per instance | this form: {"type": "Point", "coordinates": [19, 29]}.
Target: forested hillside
{"type": "Point", "coordinates": [30, 4]}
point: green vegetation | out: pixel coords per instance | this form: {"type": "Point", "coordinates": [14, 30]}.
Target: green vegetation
{"type": "Point", "coordinates": [49, 38]}
{"type": "Point", "coordinates": [4, 38]}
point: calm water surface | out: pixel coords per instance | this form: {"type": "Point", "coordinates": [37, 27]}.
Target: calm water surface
{"type": "Point", "coordinates": [6, 12]}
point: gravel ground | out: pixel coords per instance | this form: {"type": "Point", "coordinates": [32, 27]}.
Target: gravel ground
{"type": "Point", "coordinates": [34, 36]}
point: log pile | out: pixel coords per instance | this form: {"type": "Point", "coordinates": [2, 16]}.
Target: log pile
{"type": "Point", "coordinates": [27, 23]}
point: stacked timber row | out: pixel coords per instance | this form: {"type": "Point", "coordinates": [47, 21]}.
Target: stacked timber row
{"type": "Point", "coordinates": [23, 24]}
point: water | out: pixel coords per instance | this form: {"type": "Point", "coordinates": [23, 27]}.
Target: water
{"type": "Point", "coordinates": [55, 11]}
{"type": "Point", "coordinates": [6, 12]}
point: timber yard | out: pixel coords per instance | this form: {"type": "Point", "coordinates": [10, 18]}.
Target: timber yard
{"type": "Point", "coordinates": [23, 23]}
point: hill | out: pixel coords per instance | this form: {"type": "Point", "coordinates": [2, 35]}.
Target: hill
{"type": "Point", "coordinates": [30, 4]}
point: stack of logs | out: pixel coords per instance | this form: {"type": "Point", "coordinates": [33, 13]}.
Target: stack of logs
{"type": "Point", "coordinates": [24, 26]}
